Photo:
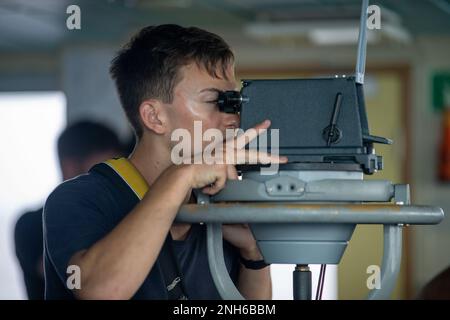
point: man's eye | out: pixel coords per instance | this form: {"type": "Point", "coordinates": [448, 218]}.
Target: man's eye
{"type": "Point", "coordinates": [212, 101]}
{"type": "Point", "coordinates": [211, 98]}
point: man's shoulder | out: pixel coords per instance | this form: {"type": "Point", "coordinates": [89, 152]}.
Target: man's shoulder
{"type": "Point", "coordinates": [90, 189]}
{"type": "Point", "coordinates": [28, 233]}
{"type": "Point", "coordinates": [30, 223]}
{"type": "Point", "coordinates": [29, 218]}
{"type": "Point", "coordinates": [82, 185]}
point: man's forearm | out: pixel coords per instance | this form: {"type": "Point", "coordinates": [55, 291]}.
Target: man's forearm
{"type": "Point", "coordinates": [255, 284]}
{"type": "Point", "coordinates": [116, 266]}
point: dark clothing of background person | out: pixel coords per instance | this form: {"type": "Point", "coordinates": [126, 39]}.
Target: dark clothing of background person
{"type": "Point", "coordinates": [29, 250]}
{"type": "Point", "coordinates": [437, 288]}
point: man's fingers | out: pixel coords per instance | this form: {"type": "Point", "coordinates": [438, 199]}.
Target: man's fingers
{"type": "Point", "coordinates": [254, 157]}
{"type": "Point", "coordinates": [218, 185]}
{"type": "Point", "coordinates": [249, 135]}
{"type": "Point", "coordinates": [263, 125]}
{"type": "Point", "coordinates": [232, 172]}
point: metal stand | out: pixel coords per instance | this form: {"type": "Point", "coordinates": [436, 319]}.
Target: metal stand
{"type": "Point", "coordinates": [302, 233]}
{"type": "Point", "coordinates": [302, 282]}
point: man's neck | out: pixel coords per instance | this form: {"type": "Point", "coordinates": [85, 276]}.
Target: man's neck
{"type": "Point", "coordinates": [150, 158]}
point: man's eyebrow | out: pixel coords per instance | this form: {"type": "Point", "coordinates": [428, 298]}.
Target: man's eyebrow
{"type": "Point", "coordinates": [210, 90]}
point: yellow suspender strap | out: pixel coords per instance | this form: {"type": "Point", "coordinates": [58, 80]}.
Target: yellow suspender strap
{"type": "Point", "coordinates": [169, 266]}
{"type": "Point", "coordinates": [128, 172]}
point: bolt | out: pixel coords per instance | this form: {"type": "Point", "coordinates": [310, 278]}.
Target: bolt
{"type": "Point", "coordinates": [302, 267]}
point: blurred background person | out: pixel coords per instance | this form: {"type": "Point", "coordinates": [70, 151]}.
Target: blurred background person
{"type": "Point", "coordinates": [438, 288]}
{"type": "Point", "coordinates": [80, 146]}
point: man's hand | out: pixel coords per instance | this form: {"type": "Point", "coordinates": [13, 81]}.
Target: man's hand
{"type": "Point", "coordinates": [212, 177]}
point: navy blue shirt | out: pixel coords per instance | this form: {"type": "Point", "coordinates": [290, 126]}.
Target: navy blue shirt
{"type": "Point", "coordinates": [81, 211]}
{"type": "Point", "coordinates": [29, 250]}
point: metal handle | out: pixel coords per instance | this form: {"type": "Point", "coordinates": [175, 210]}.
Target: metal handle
{"type": "Point", "coordinates": [309, 213]}
{"type": "Point", "coordinates": [392, 257]}
{"type": "Point", "coordinates": [362, 44]}
{"type": "Point", "coordinates": [217, 267]}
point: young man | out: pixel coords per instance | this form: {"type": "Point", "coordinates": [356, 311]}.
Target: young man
{"type": "Point", "coordinates": [167, 77]}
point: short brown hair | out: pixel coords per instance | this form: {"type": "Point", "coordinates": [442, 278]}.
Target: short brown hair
{"type": "Point", "coordinates": [148, 66]}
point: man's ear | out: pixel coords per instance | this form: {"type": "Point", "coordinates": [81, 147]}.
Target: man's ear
{"type": "Point", "coordinates": [153, 116]}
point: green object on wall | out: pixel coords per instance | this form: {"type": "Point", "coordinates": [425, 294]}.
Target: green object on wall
{"type": "Point", "coordinates": [441, 90]}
